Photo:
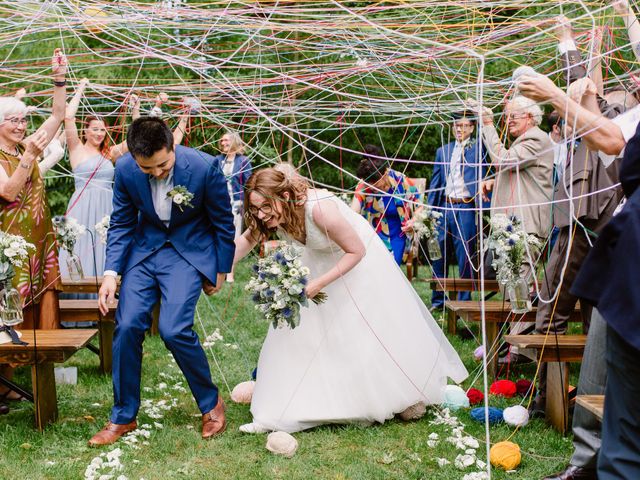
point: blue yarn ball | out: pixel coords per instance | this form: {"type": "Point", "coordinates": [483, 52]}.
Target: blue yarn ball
{"type": "Point", "coordinates": [495, 415]}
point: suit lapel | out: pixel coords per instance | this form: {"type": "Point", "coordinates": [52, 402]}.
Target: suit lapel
{"type": "Point", "coordinates": [181, 176]}
{"type": "Point", "coordinates": [144, 190]}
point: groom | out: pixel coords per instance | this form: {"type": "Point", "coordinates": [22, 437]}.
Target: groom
{"type": "Point", "coordinates": [171, 234]}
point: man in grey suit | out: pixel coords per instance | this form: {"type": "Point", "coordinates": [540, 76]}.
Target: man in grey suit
{"type": "Point", "coordinates": [523, 185]}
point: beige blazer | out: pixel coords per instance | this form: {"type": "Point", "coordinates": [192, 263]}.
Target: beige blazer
{"type": "Point", "coordinates": [524, 178]}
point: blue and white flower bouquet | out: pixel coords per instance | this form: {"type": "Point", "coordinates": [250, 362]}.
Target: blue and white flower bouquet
{"type": "Point", "coordinates": [278, 286]}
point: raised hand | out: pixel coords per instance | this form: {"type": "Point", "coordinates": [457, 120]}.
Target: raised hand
{"type": "Point", "coordinates": [581, 87]}
{"type": "Point", "coordinates": [59, 64]}
{"type": "Point", "coordinates": [539, 88]}
{"type": "Point", "coordinates": [563, 30]}
{"type": "Point", "coordinates": [35, 144]}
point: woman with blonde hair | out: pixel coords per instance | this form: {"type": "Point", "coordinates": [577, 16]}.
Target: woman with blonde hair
{"type": "Point", "coordinates": [371, 350]}
{"type": "Point", "coordinates": [237, 169]}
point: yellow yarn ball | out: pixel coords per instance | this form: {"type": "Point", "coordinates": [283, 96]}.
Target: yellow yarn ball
{"type": "Point", "coordinates": [505, 455]}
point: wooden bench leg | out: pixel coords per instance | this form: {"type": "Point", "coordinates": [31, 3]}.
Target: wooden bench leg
{"type": "Point", "coordinates": [491, 330]}
{"type": "Point", "coordinates": [557, 406]}
{"type": "Point", "coordinates": [452, 322]}
{"type": "Point", "coordinates": [155, 315]}
{"type": "Point", "coordinates": [105, 330]}
{"type": "Point", "coordinates": [44, 393]}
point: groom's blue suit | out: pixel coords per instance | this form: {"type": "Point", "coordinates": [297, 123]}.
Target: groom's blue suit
{"type": "Point", "coordinates": [168, 263]}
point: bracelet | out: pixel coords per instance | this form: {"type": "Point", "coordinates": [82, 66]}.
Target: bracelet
{"type": "Point", "coordinates": [62, 83]}
{"type": "Point", "coordinates": [25, 165]}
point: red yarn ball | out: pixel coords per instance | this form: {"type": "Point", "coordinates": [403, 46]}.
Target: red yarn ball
{"type": "Point", "coordinates": [524, 387]}
{"type": "Point", "coordinates": [503, 388]}
{"type": "Point", "coordinates": [475, 396]}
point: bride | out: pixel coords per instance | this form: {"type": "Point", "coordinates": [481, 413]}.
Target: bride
{"type": "Point", "coordinates": [371, 350]}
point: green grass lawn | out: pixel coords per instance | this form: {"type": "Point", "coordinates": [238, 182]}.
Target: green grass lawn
{"type": "Point", "coordinates": [173, 449]}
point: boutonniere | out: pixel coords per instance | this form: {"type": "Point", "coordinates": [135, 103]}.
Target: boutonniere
{"type": "Point", "coordinates": [181, 197]}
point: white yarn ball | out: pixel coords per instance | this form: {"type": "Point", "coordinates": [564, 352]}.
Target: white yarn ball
{"type": "Point", "coordinates": [281, 443]}
{"type": "Point", "coordinates": [455, 397]}
{"type": "Point", "coordinates": [516, 416]}
{"type": "Point", "coordinates": [414, 412]}
{"type": "Point", "coordinates": [523, 70]}
{"type": "Point", "coordinates": [243, 392]}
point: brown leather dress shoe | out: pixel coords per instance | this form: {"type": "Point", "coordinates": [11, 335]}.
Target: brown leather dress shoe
{"type": "Point", "coordinates": [111, 433]}
{"type": "Point", "coordinates": [214, 422]}
{"type": "Point", "coordinates": [574, 473]}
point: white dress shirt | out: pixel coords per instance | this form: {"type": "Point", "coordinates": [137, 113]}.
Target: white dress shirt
{"type": "Point", "coordinates": [560, 152]}
{"type": "Point", "coordinates": [456, 187]}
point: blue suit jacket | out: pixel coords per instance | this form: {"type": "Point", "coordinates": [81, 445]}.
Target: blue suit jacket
{"type": "Point", "coordinates": [474, 170]}
{"type": "Point", "coordinates": [202, 234]}
{"type": "Point", "coordinates": [240, 174]}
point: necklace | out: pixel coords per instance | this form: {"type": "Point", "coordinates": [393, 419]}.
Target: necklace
{"type": "Point", "coordinates": [15, 153]}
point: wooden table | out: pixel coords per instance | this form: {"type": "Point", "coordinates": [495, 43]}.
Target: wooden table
{"type": "Point", "coordinates": [86, 310]}
{"type": "Point", "coordinates": [557, 352]}
{"type": "Point", "coordinates": [86, 285]}
{"type": "Point", "coordinates": [495, 312]}
{"type": "Point", "coordinates": [43, 350]}
{"type": "Point", "coordinates": [593, 403]}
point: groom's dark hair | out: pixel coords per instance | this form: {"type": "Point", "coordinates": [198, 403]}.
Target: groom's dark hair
{"type": "Point", "coordinates": [147, 135]}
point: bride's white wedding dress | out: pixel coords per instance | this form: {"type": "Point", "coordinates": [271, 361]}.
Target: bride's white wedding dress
{"type": "Point", "coordinates": [369, 352]}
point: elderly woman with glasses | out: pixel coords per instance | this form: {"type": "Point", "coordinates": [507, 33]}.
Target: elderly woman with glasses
{"type": "Point", "coordinates": [25, 210]}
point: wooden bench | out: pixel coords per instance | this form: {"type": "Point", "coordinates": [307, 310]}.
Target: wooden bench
{"type": "Point", "coordinates": [592, 403]}
{"type": "Point", "coordinates": [556, 352]}
{"type": "Point", "coordinates": [495, 312]}
{"type": "Point", "coordinates": [43, 350]}
{"type": "Point", "coordinates": [86, 285]}
{"type": "Point", "coordinates": [86, 310]}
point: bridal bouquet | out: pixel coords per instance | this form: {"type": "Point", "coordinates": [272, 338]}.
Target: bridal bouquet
{"type": "Point", "coordinates": [102, 227]}
{"type": "Point", "coordinates": [425, 222]}
{"type": "Point", "coordinates": [278, 286]}
{"type": "Point", "coordinates": [14, 250]}
{"type": "Point", "coordinates": [68, 230]}
{"type": "Point", "coordinates": [508, 240]}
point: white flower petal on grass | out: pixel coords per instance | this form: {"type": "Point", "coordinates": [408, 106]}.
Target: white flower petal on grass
{"type": "Point", "coordinates": [442, 462]}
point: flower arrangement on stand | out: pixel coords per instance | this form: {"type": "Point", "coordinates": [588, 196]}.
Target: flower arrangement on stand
{"type": "Point", "coordinates": [278, 286]}
{"type": "Point", "coordinates": [68, 230]}
{"type": "Point", "coordinates": [14, 250]}
{"type": "Point", "coordinates": [425, 225]}
{"type": "Point", "coordinates": [509, 241]}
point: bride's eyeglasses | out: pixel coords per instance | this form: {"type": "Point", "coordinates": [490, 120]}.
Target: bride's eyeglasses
{"type": "Point", "coordinates": [264, 208]}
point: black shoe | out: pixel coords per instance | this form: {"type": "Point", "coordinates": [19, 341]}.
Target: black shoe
{"type": "Point", "coordinates": [4, 409]}
{"type": "Point", "coordinates": [574, 473]}
{"type": "Point", "coordinates": [536, 409]}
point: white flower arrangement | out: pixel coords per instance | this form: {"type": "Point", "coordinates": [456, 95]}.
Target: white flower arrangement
{"type": "Point", "coordinates": [509, 241]}
{"type": "Point", "coordinates": [181, 197]}
{"type": "Point", "coordinates": [102, 227]}
{"type": "Point", "coordinates": [425, 222]}
{"type": "Point", "coordinates": [14, 250]}
{"type": "Point", "coordinates": [278, 286]}
{"type": "Point", "coordinates": [68, 230]}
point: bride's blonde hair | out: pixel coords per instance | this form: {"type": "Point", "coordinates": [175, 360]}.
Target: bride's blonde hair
{"type": "Point", "coordinates": [272, 184]}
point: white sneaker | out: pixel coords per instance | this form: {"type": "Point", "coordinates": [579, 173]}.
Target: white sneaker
{"type": "Point", "coordinates": [253, 428]}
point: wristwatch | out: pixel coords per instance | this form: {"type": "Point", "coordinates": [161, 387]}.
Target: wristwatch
{"type": "Point", "coordinates": [25, 165]}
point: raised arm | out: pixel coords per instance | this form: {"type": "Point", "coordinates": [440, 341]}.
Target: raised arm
{"type": "Point", "coordinates": [181, 128]}
{"type": "Point", "coordinates": [597, 131]}
{"type": "Point", "coordinates": [70, 128]}
{"type": "Point", "coordinates": [59, 70]}
{"type": "Point", "coordinates": [134, 105]}
{"type": "Point", "coordinates": [625, 10]}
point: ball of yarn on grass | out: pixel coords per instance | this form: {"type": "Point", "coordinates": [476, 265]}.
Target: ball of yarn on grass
{"type": "Point", "coordinates": [455, 397]}
{"type": "Point", "coordinates": [478, 353]}
{"type": "Point", "coordinates": [516, 416]}
{"type": "Point", "coordinates": [503, 388]}
{"type": "Point", "coordinates": [414, 412]}
{"type": "Point", "coordinates": [505, 455]}
{"type": "Point", "coordinates": [475, 396]}
{"type": "Point", "coordinates": [495, 415]}
{"type": "Point", "coordinates": [243, 392]}
{"type": "Point", "coordinates": [281, 443]}
{"type": "Point", "coordinates": [524, 387]}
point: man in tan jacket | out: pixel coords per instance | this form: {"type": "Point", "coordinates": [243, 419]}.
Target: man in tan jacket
{"type": "Point", "coordinates": [523, 183]}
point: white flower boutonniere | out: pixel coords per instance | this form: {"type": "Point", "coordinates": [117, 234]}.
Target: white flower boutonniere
{"type": "Point", "coordinates": [181, 197]}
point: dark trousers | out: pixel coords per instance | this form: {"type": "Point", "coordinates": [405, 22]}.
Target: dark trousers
{"type": "Point", "coordinates": [619, 457]}
{"type": "Point", "coordinates": [457, 237]}
{"type": "Point", "coordinates": [167, 276]}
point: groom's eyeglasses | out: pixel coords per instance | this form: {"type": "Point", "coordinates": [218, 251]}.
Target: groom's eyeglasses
{"type": "Point", "coordinates": [266, 209]}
